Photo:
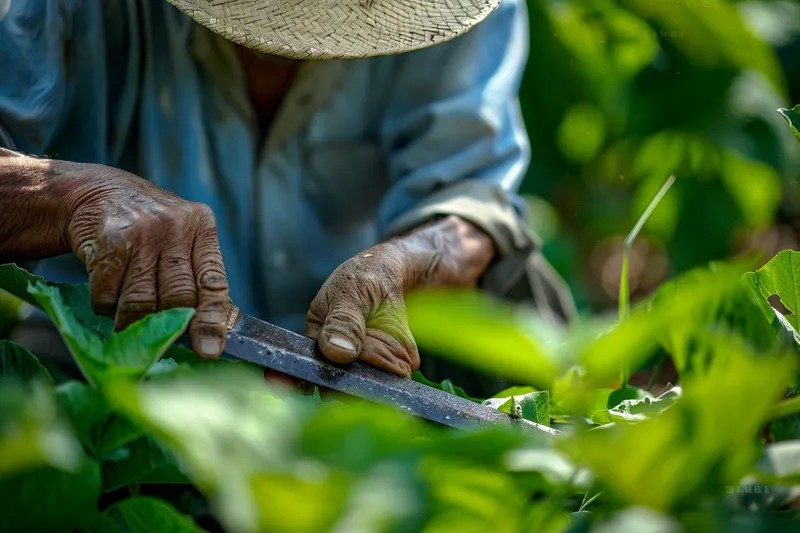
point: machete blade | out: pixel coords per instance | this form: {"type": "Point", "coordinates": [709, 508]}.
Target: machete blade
{"type": "Point", "coordinates": [278, 349]}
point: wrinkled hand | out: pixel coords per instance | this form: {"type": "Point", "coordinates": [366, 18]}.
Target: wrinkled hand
{"type": "Point", "coordinates": [359, 313]}
{"type": "Point", "coordinates": [146, 250]}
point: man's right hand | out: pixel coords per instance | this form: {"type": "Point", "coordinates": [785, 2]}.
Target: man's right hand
{"type": "Point", "coordinates": [145, 249]}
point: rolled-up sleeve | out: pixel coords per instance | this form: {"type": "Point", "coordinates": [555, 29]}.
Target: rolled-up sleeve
{"type": "Point", "coordinates": [456, 145]}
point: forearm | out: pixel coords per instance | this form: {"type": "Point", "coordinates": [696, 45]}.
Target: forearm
{"type": "Point", "coordinates": [31, 206]}
{"type": "Point", "coordinates": [448, 251]}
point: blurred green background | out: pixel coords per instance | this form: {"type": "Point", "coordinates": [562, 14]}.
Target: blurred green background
{"type": "Point", "coordinates": [620, 94]}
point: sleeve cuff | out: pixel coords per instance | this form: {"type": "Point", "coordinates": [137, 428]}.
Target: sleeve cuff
{"type": "Point", "coordinates": [520, 273]}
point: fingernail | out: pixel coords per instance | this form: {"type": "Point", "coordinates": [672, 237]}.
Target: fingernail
{"type": "Point", "coordinates": [209, 347]}
{"type": "Point", "coordinates": [343, 343]}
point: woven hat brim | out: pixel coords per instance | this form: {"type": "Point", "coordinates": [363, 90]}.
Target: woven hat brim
{"type": "Point", "coordinates": [337, 29]}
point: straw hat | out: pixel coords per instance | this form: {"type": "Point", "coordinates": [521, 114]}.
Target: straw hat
{"type": "Point", "coordinates": [337, 29]}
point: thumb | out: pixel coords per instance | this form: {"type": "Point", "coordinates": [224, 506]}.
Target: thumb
{"type": "Point", "coordinates": [343, 331]}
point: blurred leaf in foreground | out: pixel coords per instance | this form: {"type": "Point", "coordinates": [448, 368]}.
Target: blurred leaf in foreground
{"type": "Point", "coordinates": [482, 333]}
{"type": "Point", "coordinates": [711, 431]}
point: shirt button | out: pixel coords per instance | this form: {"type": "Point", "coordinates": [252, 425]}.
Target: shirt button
{"type": "Point", "coordinates": [279, 258]}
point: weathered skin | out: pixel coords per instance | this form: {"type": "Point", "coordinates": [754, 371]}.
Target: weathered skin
{"type": "Point", "coordinates": [148, 250]}
{"type": "Point", "coordinates": [359, 312]}
{"type": "Point", "coordinates": [144, 248]}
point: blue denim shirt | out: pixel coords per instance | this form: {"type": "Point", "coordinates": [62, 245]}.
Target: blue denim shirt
{"type": "Point", "coordinates": [137, 85]}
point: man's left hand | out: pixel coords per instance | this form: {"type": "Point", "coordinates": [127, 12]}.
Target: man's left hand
{"type": "Point", "coordinates": [359, 313]}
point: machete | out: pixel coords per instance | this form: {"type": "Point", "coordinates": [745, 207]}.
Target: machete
{"type": "Point", "coordinates": [272, 347]}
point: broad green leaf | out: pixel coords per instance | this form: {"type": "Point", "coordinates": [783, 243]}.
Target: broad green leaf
{"type": "Point", "coordinates": [780, 276]}
{"type": "Point", "coordinates": [142, 514]}
{"type": "Point", "coordinates": [99, 429]}
{"type": "Point", "coordinates": [86, 409]}
{"type": "Point", "coordinates": [146, 462]}
{"type": "Point", "coordinates": [471, 498]}
{"type": "Point", "coordinates": [298, 505]}
{"type": "Point", "coordinates": [792, 116]}
{"type": "Point", "coordinates": [555, 467]}
{"type": "Point", "coordinates": [128, 353]}
{"type": "Point", "coordinates": [16, 361]}
{"type": "Point", "coordinates": [636, 409]}
{"type": "Point", "coordinates": [31, 433]}
{"type": "Point", "coordinates": [780, 463]}
{"type": "Point", "coordinates": [85, 345]}
{"type": "Point", "coordinates": [481, 333]}
{"type": "Point", "coordinates": [16, 281]}
{"type": "Point", "coordinates": [709, 431]}
{"type": "Point", "coordinates": [134, 350]}
{"type": "Point", "coordinates": [225, 427]}
{"type": "Point", "coordinates": [49, 500]}
{"type": "Point", "coordinates": [358, 436]}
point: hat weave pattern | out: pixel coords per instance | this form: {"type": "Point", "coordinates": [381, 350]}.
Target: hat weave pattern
{"type": "Point", "coordinates": [337, 29]}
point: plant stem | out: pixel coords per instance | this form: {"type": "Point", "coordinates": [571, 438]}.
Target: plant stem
{"type": "Point", "coordinates": [624, 292]}
{"type": "Point", "coordinates": [784, 408]}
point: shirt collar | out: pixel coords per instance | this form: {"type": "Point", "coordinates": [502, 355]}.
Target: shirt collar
{"type": "Point", "coordinates": [314, 85]}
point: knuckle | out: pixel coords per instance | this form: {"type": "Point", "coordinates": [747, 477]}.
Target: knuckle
{"type": "Point", "coordinates": [204, 213]}
{"type": "Point", "coordinates": [138, 302]}
{"type": "Point", "coordinates": [178, 295]}
{"type": "Point", "coordinates": [203, 329]}
{"type": "Point", "coordinates": [213, 278]}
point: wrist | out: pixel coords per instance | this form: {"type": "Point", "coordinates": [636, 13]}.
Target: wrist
{"type": "Point", "coordinates": [447, 251]}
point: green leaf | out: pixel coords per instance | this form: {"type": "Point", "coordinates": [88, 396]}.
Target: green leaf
{"type": "Point", "coordinates": [534, 406]}
{"type": "Point", "coordinates": [86, 409]}
{"type": "Point", "coordinates": [16, 281]}
{"type": "Point", "coordinates": [624, 393]}
{"type": "Point", "coordinates": [133, 351]}
{"type": "Point", "coordinates": [482, 333]}
{"type": "Point", "coordinates": [781, 277]}
{"type": "Point", "coordinates": [636, 409]}
{"type": "Point", "coordinates": [99, 429]}
{"type": "Point", "coordinates": [146, 462]}
{"type": "Point", "coordinates": [446, 386]}
{"type": "Point", "coordinates": [225, 427]}
{"type": "Point", "coordinates": [16, 361]}
{"type": "Point", "coordinates": [85, 345]}
{"type": "Point", "coordinates": [144, 514]}
{"type": "Point", "coordinates": [49, 500]}
{"type": "Point", "coordinates": [31, 433]}
{"type": "Point", "coordinates": [129, 353]}
{"type": "Point", "coordinates": [709, 431]}
{"type": "Point", "coordinates": [792, 116]}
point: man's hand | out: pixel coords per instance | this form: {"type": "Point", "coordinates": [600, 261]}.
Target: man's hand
{"type": "Point", "coordinates": [360, 310]}
{"type": "Point", "coordinates": [145, 249]}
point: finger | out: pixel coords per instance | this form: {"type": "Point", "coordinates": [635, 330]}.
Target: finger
{"type": "Point", "coordinates": [176, 283]}
{"type": "Point", "coordinates": [106, 265]}
{"type": "Point", "coordinates": [208, 329]}
{"type": "Point", "coordinates": [342, 335]}
{"type": "Point", "coordinates": [389, 343]}
{"type": "Point", "coordinates": [138, 296]}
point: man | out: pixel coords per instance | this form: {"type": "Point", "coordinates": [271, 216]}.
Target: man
{"type": "Point", "coordinates": [163, 148]}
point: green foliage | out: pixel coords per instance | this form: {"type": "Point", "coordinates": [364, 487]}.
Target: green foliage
{"type": "Point", "coordinates": [273, 461]}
